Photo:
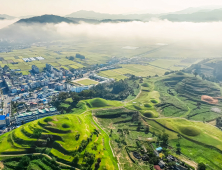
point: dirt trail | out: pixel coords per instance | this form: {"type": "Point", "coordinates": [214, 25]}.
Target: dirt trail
{"type": "Point", "coordinates": [1, 165]}
{"type": "Point", "coordinates": [189, 162]}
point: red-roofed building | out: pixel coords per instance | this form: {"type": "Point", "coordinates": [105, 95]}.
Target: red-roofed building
{"type": "Point", "coordinates": [157, 167]}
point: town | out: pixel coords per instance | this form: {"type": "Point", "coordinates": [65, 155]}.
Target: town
{"type": "Point", "coordinates": [26, 97]}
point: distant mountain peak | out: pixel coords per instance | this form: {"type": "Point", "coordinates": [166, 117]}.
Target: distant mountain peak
{"type": "Point", "coordinates": [45, 19]}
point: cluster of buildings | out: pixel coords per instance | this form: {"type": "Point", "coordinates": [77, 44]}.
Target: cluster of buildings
{"type": "Point", "coordinates": [50, 78]}
{"type": "Point", "coordinates": [25, 117]}
{"type": "Point", "coordinates": [100, 78]}
{"type": "Point", "coordinates": [33, 59]}
{"type": "Point", "coordinates": [34, 115]}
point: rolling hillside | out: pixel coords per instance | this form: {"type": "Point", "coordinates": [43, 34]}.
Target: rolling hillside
{"type": "Point", "coordinates": [71, 139]}
{"type": "Point", "coordinates": [181, 95]}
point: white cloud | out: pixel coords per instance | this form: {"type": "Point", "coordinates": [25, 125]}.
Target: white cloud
{"type": "Point", "coordinates": [5, 23]}
{"type": "Point", "coordinates": [161, 31]}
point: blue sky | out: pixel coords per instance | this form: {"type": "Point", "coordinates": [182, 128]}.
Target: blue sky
{"type": "Point", "coordinates": [64, 7]}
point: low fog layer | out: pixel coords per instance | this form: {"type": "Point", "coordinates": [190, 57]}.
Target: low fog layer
{"type": "Point", "coordinates": [5, 23]}
{"type": "Point", "coordinates": [158, 31]}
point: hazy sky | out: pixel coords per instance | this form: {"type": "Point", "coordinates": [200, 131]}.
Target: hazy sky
{"type": "Point", "coordinates": [64, 7]}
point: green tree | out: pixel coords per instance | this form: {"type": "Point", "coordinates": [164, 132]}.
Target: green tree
{"type": "Point", "coordinates": [201, 166]}
{"type": "Point", "coordinates": [165, 138]}
{"type": "Point", "coordinates": [24, 162]}
{"type": "Point", "coordinates": [195, 73]}
{"type": "Point", "coordinates": [147, 129]}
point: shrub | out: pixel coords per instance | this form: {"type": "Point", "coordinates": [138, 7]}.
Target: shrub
{"type": "Point", "coordinates": [153, 101]}
{"type": "Point", "coordinates": [65, 125]}
{"type": "Point", "coordinates": [48, 119]}
{"type": "Point", "coordinates": [147, 105]}
{"type": "Point", "coordinates": [145, 85]}
{"type": "Point", "coordinates": [77, 136]}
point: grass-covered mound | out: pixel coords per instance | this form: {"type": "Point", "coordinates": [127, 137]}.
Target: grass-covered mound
{"type": "Point", "coordinates": [189, 130]}
{"type": "Point", "coordinates": [98, 102]}
{"type": "Point", "coordinates": [71, 139]}
{"type": "Point", "coordinates": [149, 114]}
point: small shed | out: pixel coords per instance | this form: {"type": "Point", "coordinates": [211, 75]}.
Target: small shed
{"type": "Point", "coordinates": [159, 149]}
{"type": "Point", "coordinates": [157, 167]}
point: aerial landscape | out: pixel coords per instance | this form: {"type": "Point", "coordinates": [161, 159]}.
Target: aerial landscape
{"type": "Point", "coordinates": [110, 85]}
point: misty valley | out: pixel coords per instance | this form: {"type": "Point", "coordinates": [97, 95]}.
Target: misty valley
{"type": "Point", "coordinates": [107, 91]}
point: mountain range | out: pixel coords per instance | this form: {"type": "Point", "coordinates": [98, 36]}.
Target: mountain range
{"type": "Point", "coordinates": [201, 16]}
{"type": "Point", "coordinates": [102, 16]}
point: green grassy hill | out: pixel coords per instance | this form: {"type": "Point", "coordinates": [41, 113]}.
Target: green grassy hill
{"type": "Point", "coordinates": [71, 139]}
{"type": "Point", "coordinates": [181, 93]}
{"type": "Point", "coordinates": [195, 142]}
{"type": "Point", "coordinates": [198, 131]}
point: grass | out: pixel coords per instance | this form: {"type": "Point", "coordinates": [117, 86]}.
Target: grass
{"type": "Point", "coordinates": [117, 121]}
{"type": "Point", "coordinates": [77, 124]}
{"type": "Point", "coordinates": [135, 69]}
{"type": "Point", "coordinates": [143, 103]}
{"type": "Point", "coordinates": [185, 93]}
{"type": "Point", "coordinates": [64, 105]}
{"type": "Point", "coordinates": [98, 102]}
{"type": "Point", "coordinates": [149, 114]}
{"type": "Point", "coordinates": [69, 100]}
{"type": "Point", "coordinates": [192, 150]}
{"type": "Point", "coordinates": [101, 103]}
{"type": "Point", "coordinates": [189, 130]}
{"type": "Point", "coordinates": [87, 82]}
{"type": "Point", "coordinates": [199, 131]}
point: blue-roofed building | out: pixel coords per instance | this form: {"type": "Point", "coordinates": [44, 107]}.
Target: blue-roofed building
{"type": "Point", "coordinates": [2, 121]}
{"type": "Point", "coordinates": [15, 99]}
{"type": "Point", "coordinates": [159, 149]}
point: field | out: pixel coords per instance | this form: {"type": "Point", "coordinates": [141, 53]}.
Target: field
{"type": "Point", "coordinates": [198, 131]}
{"type": "Point", "coordinates": [63, 142]}
{"type": "Point", "coordinates": [190, 150]}
{"type": "Point", "coordinates": [135, 69]}
{"type": "Point", "coordinates": [87, 82]}
{"type": "Point", "coordinates": [119, 118]}
{"type": "Point", "coordinates": [146, 101]}
{"type": "Point", "coordinates": [180, 96]}
{"type": "Point", "coordinates": [166, 58]}
{"type": "Point", "coordinates": [116, 123]}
